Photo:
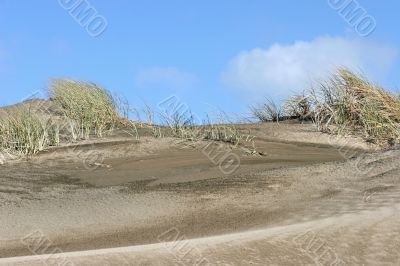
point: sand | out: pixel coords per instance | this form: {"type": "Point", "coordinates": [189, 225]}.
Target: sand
{"type": "Point", "coordinates": [304, 198]}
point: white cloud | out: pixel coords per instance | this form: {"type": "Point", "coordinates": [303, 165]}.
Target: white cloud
{"type": "Point", "coordinates": [283, 69]}
{"type": "Point", "coordinates": [164, 76]}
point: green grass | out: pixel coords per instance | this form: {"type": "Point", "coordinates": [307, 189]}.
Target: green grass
{"type": "Point", "coordinates": [181, 124]}
{"type": "Point", "coordinates": [84, 109]}
{"type": "Point", "coordinates": [346, 103]}
{"type": "Point", "coordinates": [25, 133]}
{"type": "Point", "coordinates": [223, 133]}
{"type": "Point", "coordinates": [91, 109]}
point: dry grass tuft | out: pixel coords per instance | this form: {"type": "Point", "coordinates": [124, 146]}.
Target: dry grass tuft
{"type": "Point", "coordinates": [182, 125]}
{"type": "Point", "coordinates": [349, 103]}
{"type": "Point", "coordinates": [298, 107]}
{"type": "Point", "coordinates": [267, 111]}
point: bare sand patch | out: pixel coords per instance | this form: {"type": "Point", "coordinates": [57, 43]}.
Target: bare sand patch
{"type": "Point", "coordinates": [297, 185]}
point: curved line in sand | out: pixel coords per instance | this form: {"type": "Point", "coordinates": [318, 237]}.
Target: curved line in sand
{"type": "Point", "coordinates": [214, 240]}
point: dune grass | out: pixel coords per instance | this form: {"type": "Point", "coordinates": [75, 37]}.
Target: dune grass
{"type": "Point", "coordinates": [92, 109]}
{"type": "Point", "coordinates": [346, 103]}
{"type": "Point", "coordinates": [222, 129]}
{"type": "Point", "coordinates": [267, 111]}
{"type": "Point", "coordinates": [298, 107]}
{"type": "Point", "coordinates": [183, 125]}
{"type": "Point", "coordinates": [349, 103]}
{"type": "Point", "coordinates": [224, 133]}
{"type": "Point", "coordinates": [25, 133]}
{"type": "Point", "coordinates": [84, 109]}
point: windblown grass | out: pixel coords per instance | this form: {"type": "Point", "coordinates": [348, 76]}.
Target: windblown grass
{"type": "Point", "coordinates": [298, 107]}
{"type": "Point", "coordinates": [25, 133]}
{"type": "Point", "coordinates": [78, 110]}
{"type": "Point", "coordinates": [267, 111]}
{"type": "Point", "coordinates": [92, 108]}
{"type": "Point", "coordinates": [182, 125]}
{"type": "Point", "coordinates": [349, 103]}
{"type": "Point", "coordinates": [223, 130]}
{"type": "Point", "coordinates": [224, 133]}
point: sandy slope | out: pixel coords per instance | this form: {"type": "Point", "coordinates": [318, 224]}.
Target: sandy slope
{"type": "Point", "coordinates": [276, 209]}
{"type": "Point", "coordinates": [364, 238]}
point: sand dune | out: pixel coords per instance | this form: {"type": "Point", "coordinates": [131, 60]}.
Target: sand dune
{"type": "Point", "coordinates": [156, 203]}
{"type": "Point", "coordinates": [356, 238]}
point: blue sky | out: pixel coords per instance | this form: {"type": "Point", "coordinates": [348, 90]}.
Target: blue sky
{"type": "Point", "coordinates": [212, 54]}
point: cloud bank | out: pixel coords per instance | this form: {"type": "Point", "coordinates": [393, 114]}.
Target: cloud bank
{"type": "Point", "coordinates": [281, 70]}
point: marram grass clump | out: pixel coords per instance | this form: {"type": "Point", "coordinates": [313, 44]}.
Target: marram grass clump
{"type": "Point", "coordinates": [298, 107]}
{"type": "Point", "coordinates": [182, 125]}
{"type": "Point", "coordinates": [25, 133]}
{"type": "Point", "coordinates": [92, 108]}
{"type": "Point", "coordinates": [267, 111]}
{"type": "Point", "coordinates": [349, 103]}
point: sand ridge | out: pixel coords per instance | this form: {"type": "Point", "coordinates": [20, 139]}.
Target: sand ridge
{"type": "Point", "coordinates": [275, 210]}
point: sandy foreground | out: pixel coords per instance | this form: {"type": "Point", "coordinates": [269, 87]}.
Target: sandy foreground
{"type": "Point", "coordinates": [303, 199]}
